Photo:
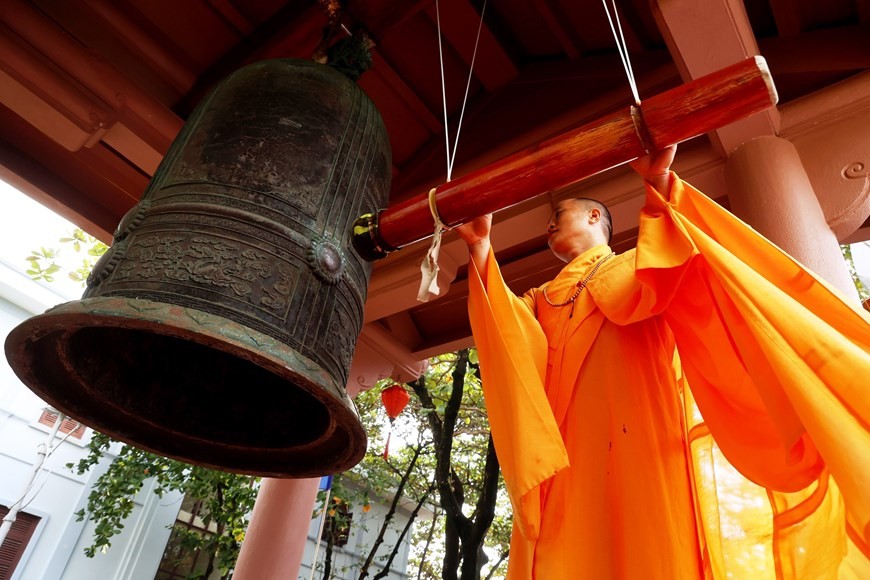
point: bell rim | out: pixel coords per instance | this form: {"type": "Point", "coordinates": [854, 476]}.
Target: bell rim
{"type": "Point", "coordinates": [214, 331]}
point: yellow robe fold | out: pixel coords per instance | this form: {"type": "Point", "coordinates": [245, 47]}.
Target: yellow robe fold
{"type": "Point", "coordinates": [612, 471]}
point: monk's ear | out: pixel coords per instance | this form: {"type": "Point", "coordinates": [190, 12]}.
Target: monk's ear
{"type": "Point", "coordinates": [594, 215]}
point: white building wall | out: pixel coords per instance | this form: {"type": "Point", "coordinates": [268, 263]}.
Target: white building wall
{"type": "Point", "coordinates": [56, 549]}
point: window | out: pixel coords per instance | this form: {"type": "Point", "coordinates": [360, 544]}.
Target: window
{"type": "Point", "coordinates": [337, 525]}
{"type": "Point", "coordinates": [180, 559]}
{"type": "Point", "coordinates": [71, 426]}
{"type": "Point", "coordinates": [16, 542]}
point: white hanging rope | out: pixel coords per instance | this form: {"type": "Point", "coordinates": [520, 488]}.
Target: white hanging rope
{"type": "Point", "coordinates": [467, 87]}
{"type": "Point", "coordinates": [443, 87]}
{"type": "Point", "coordinates": [622, 47]}
{"type": "Point", "coordinates": [451, 151]}
{"type": "Point", "coordinates": [429, 266]}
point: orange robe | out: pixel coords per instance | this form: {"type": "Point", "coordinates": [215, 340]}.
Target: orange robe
{"type": "Point", "coordinates": [612, 470]}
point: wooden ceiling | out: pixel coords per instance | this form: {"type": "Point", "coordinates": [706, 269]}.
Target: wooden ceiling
{"type": "Point", "coordinates": [94, 91]}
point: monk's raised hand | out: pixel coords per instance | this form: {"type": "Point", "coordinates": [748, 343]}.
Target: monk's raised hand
{"type": "Point", "coordinates": [475, 231]}
{"type": "Point", "coordinates": [655, 167]}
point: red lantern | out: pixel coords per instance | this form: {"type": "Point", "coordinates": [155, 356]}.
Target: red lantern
{"type": "Point", "coordinates": [394, 398]}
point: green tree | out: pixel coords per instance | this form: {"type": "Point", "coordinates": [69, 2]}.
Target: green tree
{"type": "Point", "coordinates": [863, 291]}
{"type": "Point", "coordinates": [448, 464]}
{"type": "Point", "coordinates": [463, 477]}
{"type": "Point", "coordinates": [43, 263]}
{"type": "Point", "coordinates": [224, 499]}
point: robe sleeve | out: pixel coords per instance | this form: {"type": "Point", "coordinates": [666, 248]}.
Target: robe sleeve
{"type": "Point", "coordinates": [512, 350]}
{"type": "Point", "coordinates": [778, 362]}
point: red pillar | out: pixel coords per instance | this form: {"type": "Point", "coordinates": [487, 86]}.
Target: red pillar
{"type": "Point", "coordinates": [769, 189]}
{"type": "Point", "coordinates": [276, 536]}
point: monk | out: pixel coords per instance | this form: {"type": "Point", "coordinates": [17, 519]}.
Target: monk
{"type": "Point", "coordinates": [693, 408]}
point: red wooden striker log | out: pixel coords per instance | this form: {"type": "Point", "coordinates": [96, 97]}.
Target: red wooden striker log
{"type": "Point", "coordinates": [679, 114]}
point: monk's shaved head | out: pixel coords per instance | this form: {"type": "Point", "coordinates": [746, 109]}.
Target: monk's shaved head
{"type": "Point", "coordinates": [586, 204]}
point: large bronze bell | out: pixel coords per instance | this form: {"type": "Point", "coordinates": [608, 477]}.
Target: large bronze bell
{"type": "Point", "coordinates": [220, 326]}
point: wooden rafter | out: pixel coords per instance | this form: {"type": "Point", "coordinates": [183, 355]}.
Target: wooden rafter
{"type": "Point", "coordinates": [409, 96]}
{"type": "Point", "coordinates": [595, 27]}
{"type": "Point", "coordinates": [787, 15]}
{"type": "Point", "coordinates": [400, 12]}
{"type": "Point", "coordinates": [228, 12]}
{"type": "Point", "coordinates": [843, 49]}
{"type": "Point", "coordinates": [556, 22]}
{"type": "Point", "coordinates": [277, 28]}
{"type": "Point", "coordinates": [459, 23]}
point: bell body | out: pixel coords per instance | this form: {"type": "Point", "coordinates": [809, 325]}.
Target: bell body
{"type": "Point", "coordinates": [220, 326]}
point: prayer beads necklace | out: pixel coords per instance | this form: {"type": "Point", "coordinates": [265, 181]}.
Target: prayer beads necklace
{"type": "Point", "coordinates": [581, 285]}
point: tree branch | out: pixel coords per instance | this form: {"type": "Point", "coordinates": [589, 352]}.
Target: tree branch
{"type": "Point", "coordinates": [364, 570]}
{"type": "Point", "coordinates": [502, 557]}
{"type": "Point", "coordinates": [428, 542]}
{"type": "Point", "coordinates": [386, 570]}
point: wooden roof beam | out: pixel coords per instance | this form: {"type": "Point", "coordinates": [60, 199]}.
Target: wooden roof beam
{"type": "Point", "coordinates": [690, 29]}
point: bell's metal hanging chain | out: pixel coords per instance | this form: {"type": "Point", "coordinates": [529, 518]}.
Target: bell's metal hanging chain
{"type": "Point", "coordinates": [429, 267]}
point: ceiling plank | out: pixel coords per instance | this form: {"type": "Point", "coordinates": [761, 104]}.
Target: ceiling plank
{"type": "Point", "coordinates": [829, 50]}
{"type": "Point", "coordinates": [406, 93]}
{"type": "Point", "coordinates": [459, 24]}
{"type": "Point", "coordinates": [548, 12]}
{"type": "Point", "coordinates": [787, 14]}
{"type": "Point", "coordinates": [400, 12]}
{"type": "Point", "coordinates": [284, 25]}
{"type": "Point", "coordinates": [162, 57]}
{"type": "Point", "coordinates": [863, 11]}
{"type": "Point", "coordinates": [232, 16]}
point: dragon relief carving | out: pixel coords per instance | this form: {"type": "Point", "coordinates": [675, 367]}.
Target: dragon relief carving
{"type": "Point", "coordinates": [255, 277]}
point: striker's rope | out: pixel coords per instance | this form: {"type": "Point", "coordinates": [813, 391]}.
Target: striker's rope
{"type": "Point", "coordinates": [429, 266]}
{"type": "Point", "coordinates": [622, 48]}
